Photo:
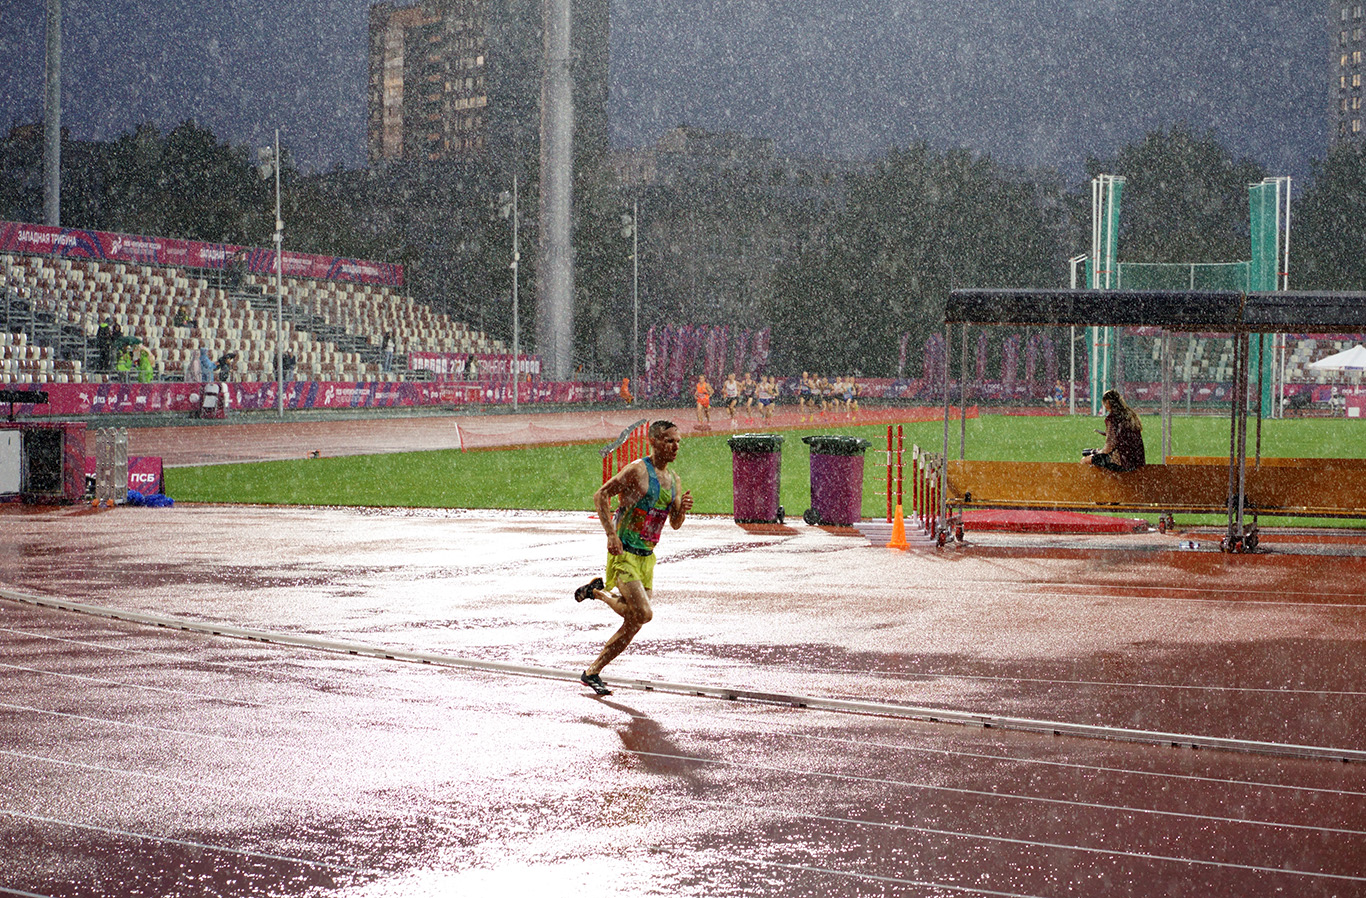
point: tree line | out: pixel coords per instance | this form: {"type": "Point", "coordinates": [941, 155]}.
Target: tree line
{"type": "Point", "coordinates": [907, 229]}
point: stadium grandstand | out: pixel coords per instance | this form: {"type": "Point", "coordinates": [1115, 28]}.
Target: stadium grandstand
{"type": "Point", "coordinates": [53, 307]}
{"type": "Point", "coordinates": [1209, 357]}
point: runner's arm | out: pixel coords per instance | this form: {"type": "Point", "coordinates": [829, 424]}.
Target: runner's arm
{"type": "Point", "coordinates": [679, 510]}
{"type": "Point", "coordinates": [626, 483]}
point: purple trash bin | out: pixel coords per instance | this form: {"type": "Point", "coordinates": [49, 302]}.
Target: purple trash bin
{"type": "Point", "coordinates": [836, 480]}
{"type": "Point", "coordinates": [756, 465]}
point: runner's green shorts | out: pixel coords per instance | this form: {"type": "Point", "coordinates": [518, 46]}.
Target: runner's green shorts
{"type": "Point", "coordinates": [628, 566]}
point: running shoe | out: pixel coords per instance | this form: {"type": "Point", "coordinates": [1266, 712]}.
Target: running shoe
{"type": "Point", "coordinates": [594, 682]}
{"type": "Point", "coordinates": [586, 591]}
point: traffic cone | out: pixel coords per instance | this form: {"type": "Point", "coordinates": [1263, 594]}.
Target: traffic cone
{"type": "Point", "coordinates": [898, 540]}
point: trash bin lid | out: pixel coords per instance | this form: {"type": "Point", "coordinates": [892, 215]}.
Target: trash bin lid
{"type": "Point", "coordinates": [756, 442]}
{"type": "Point", "coordinates": [835, 444]}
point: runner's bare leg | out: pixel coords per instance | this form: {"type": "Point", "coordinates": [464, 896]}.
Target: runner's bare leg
{"type": "Point", "coordinates": [635, 613]}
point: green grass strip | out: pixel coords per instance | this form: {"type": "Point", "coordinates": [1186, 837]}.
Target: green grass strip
{"type": "Point", "coordinates": [564, 477]}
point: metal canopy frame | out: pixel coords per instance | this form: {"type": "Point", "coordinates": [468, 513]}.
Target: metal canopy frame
{"type": "Point", "coordinates": [1242, 314]}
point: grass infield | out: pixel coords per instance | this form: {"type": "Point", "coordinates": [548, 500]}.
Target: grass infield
{"type": "Point", "coordinates": [564, 477]}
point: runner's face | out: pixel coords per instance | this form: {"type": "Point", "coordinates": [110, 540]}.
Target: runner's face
{"type": "Point", "coordinates": [665, 446]}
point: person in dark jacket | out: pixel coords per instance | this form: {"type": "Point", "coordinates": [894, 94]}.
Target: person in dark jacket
{"type": "Point", "coordinates": [104, 347]}
{"type": "Point", "coordinates": [1123, 437]}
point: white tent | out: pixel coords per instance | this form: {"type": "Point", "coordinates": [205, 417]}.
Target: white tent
{"type": "Point", "coordinates": [1353, 359]}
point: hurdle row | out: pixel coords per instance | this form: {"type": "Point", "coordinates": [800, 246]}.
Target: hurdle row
{"type": "Point", "coordinates": [631, 444]}
{"type": "Point", "coordinates": [921, 475]}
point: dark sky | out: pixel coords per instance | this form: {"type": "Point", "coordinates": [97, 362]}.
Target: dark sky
{"type": "Point", "coordinates": [1039, 82]}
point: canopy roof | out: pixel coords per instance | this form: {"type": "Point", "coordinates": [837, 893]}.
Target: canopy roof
{"type": "Point", "coordinates": [1354, 359]}
{"type": "Point", "coordinates": [1180, 310]}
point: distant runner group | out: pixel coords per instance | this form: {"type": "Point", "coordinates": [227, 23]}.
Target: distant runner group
{"type": "Point", "coordinates": [815, 396]}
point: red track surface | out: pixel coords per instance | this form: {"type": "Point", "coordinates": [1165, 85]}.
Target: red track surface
{"type": "Point", "coordinates": [147, 760]}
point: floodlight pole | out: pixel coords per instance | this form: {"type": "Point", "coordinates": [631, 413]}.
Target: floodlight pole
{"type": "Point", "coordinates": [1072, 346]}
{"type": "Point", "coordinates": [516, 323]}
{"type": "Point", "coordinates": [635, 294]}
{"type": "Point", "coordinates": [279, 290]}
{"type": "Point", "coordinates": [52, 119]}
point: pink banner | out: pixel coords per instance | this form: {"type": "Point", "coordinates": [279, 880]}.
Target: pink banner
{"type": "Point", "coordinates": [144, 473]}
{"type": "Point", "coordinates": [65, 400]}
{"type": "Point", "coordinates": [70, 243]}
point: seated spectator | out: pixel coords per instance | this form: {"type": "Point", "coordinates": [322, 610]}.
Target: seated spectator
{"type": "Point", "coordinates": [1123, 437]}
{"type": "Point", "coordinates": [225, 365]}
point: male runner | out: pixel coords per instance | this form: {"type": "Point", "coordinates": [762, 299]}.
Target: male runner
{"type": "Point", "coordinates": [731, 391]}
{"type": "Point", "coordinates": [650, 496]}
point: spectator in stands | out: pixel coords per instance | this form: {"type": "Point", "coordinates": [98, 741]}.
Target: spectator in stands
{"type": "Point", "coordinates": [225, 365]}
{"type": "Point", "coordinates": [287, 365]}
{"type": "Point", "coordinates": [192, 375]}
{"type": "Point", "coordinates": [124, 366]}
{"type": "Point", "coordinates": [182, 317]}
{"type": "Point", "coordinates": [388, 347]}
{"type": "Point", "coordinates": [147, 367]}
{"type": "Point", "coordinates": [236, 272]}
{"type": "Point", "coordinates": [1123, 437]}
{"type": "Point", "coordinates": [104, 347]}
{"type": "Point", "coordinates": [206, 366]}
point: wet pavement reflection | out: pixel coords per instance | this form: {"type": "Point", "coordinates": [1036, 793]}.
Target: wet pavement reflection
{"type": "Point", "coordinates": [139, 760]}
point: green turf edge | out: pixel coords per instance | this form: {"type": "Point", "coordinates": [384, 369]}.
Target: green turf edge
{"type": "Point", "coordinates": [564, 477]}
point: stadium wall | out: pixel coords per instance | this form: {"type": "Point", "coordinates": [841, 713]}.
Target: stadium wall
{"type": "Point", "coordinates": [66, 400]}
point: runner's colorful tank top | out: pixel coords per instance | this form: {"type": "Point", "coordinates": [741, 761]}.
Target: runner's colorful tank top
{"type": "Point", "coordinates": [639, 525]}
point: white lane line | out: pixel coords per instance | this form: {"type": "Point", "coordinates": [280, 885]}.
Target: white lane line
{"type": "Point", "coordinates": [873, 877]}
{"type": "Point", "coordinates": [1109, 684]}
{"type": "Point", "coordinates": [272, 794]}
{"type": "Point", "coordinates": [26, 709]}
{"type": "Point", "coordinates": [778, 729]}
{"type": "Point", "coordinates": [1031, 843]}
{"type": "Point", "coordinates": [101, 681]}
{"type": "Point", "coordinates": [1010, 796]}
{"type": "Point", "coordinates": [871, 708]}
{"type": "Point", "coordinates": [200, 846]}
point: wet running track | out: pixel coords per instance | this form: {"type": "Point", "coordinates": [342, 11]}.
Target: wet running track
{"type": "Point", "coordinates": [138, 759]}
